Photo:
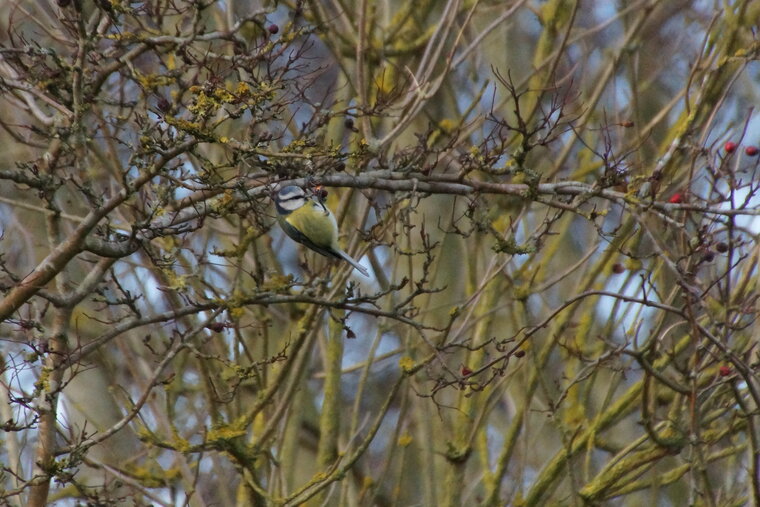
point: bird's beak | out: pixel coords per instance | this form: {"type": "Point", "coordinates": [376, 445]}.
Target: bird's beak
{"type": "Point", "coordinates": [319, 194]}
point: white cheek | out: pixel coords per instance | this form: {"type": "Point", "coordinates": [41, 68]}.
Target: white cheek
{"type": "Point", "coordinates": [291, 205]}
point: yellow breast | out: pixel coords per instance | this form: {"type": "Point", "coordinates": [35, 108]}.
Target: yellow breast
{"type": "Point", "coordinates": [314, 222]}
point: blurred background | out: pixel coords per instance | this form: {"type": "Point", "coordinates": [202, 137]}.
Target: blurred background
{"type": "Point", "coordinates": [557, 202]}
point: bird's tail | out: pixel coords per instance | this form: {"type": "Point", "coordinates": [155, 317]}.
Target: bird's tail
{"type": "Point", "coordinates": [343, 255]}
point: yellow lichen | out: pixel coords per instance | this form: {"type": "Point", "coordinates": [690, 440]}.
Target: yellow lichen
{"type": "Point", "coordinates": [407, 364]}
{"type": "Point", "coordinates": [405, 439]}
{"type": "Point", "coordinates": [236, 313]}
{"type": "Point", "coordinates": [226, 432]}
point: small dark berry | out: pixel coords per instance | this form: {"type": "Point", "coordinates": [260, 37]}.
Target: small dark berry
{"type": "Point", "coordinates": [721, 247]}
{"type": "Point", "coordinates": [349, 123]}
{"type": "Point", "coordinates": [163, 104]}
{"type": "Point", "coordinates": [350, 334]}
{"type": "Point", "coordinates": [519, 353]}
{"type": "Point", "coordinates": [708, 257]}
{"type": "Point", "coordinates": [216, 327]}
{"type": "Point", "coordinates": [340, 166]}
{"type": "Point", "coordinates": [627, 124]}
{"type": "Point", "coordinates": [273, 29]}
{"type": "Point", "coordinates": [618, 268]}
{"type": "Point", "coordinates": [730, 146]}
{"type": "Point", "coordinates": [751, 151]}
{"type": "Point", "coordinates": [465, 371]}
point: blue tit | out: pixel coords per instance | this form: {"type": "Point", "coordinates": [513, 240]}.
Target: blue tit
{"type": "Point", "coordinates": [307, 220]}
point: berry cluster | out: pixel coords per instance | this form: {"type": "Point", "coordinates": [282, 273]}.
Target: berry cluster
{"type": "Point", "coordinates": [750, 151]}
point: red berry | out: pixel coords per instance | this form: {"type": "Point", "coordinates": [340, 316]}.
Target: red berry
{"type": "Point", "coordinates": [618, 268]}
{"type": "Point", "coordinates": [273, 29]}
{"type": "Point", "coordinates": [676, 198]}
{"type": "Point", "coordinates": [724, 371]}
{"type": "Point", "coordinates": [730, 146]}
{"type": "Point", "coordinates": [751, 151]}
{"type": "Point", "coordinates": [465, 371]}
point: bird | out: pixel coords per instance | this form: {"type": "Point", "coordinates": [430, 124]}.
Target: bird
{"type": "Point", "coordinates": [305, 218]}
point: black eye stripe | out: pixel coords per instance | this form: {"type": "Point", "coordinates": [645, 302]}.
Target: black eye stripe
{"type": "Point", "coordinates": [291, 194]}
